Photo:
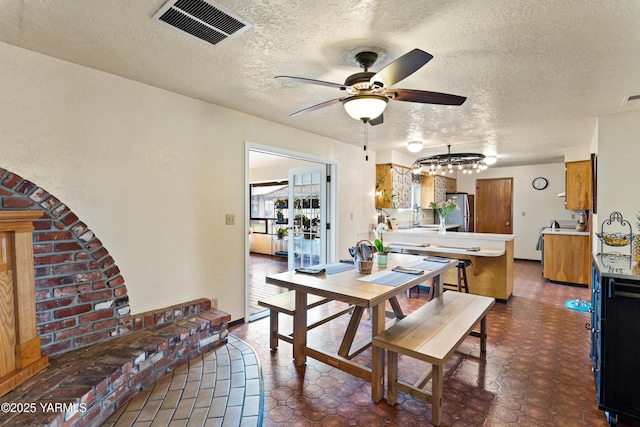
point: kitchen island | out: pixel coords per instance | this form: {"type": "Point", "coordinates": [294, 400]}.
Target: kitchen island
{"type": "Point", "coordinates": [491, 256]}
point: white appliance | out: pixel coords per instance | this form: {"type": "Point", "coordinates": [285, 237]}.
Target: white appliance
{"type": "Point", "coordinates": [459, 216]}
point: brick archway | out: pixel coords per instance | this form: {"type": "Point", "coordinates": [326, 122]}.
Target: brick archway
{"type": "Point", "coordinates": [81, 298]}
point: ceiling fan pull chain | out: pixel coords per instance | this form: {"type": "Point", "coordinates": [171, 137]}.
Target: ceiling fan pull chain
{"type": "Point", "coordinates": [366, 141]}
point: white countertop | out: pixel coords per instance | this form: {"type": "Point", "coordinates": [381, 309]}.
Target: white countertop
{"type": "Point", "coordinates": [439, 249]}
{"type": "Point", "coordinates": [564, 231]}
{"type": "Point", "coordinates": [432, 232]}
{"type": "Point", "coordinates": [429, 240]}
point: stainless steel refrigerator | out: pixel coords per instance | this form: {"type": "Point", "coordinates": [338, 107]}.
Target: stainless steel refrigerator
{"type": "Point", "coordinates": [460, 216]}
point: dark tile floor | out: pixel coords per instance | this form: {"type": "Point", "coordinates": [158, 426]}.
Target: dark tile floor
{"type": "Point", "coordinates": [536, 371]}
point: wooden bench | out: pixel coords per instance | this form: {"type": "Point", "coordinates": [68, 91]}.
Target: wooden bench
{"type": "Point", "coordinates": [432, 333]}
{"type": "Point", "coordinates": [286, 303]}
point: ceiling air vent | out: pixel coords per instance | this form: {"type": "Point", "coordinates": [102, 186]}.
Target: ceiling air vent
{"type": "Point", "coordinates": [203, 19]}
{"type": "Point", "coordinates": [631, 101]}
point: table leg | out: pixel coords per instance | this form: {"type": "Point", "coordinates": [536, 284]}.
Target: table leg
{"type": "Point", "coordinates": [437, 286]}
{"type": "Point", "coordinates": [350, 334]}
{"type": "Point", "coordinates": [483, 334]}
{"type": "Point", "coordinates": [377, 354]}
{"type": "Point", "coordinates": [300, 329]}
{"type": "Point", "coordinates": [397, 310]}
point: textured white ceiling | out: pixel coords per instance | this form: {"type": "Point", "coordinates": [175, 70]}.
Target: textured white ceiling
{"type": "Point", "coordinates": [536, 73]}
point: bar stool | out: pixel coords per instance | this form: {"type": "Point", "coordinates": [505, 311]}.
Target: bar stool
{"type": "Point", "coordinates": [462, 277]}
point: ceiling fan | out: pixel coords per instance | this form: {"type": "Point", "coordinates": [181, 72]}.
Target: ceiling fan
{"type": "Point", "coordinates": [367, 93]}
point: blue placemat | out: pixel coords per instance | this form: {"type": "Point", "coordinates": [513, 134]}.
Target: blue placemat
{"type": "Point", "coordinates": [395, 278]}
{"type": "Point", "coordinates": [338, 267]}
{"type": "Point", "coordinates": [428, 265]}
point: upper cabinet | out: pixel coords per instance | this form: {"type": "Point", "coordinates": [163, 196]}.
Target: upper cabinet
{"type": "Point", "coordinates": [578, 185]}
{"type": "Point", "coordinates": [435, 188]}
{"type": "Point", "coordinates": [452, 185]}
{"type": "Point", "coordinates": [393, 186]}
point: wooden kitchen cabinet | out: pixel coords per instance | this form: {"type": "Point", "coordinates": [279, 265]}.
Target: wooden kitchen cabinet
{"type": "Point", "coordinates": [393, 186]}
{"type": "Point", "coordinates": [578, 185]}
{"type": "Point", "coordinates": [452, 184]}
{"type": "Point", "coordinates": [435, 188]}
{"type": "Point", "coordinates": [567, 258]}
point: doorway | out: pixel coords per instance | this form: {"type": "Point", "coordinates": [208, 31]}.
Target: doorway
{"type": "Point", "coordinates": [494, 206]}
{"type": "Point", "coordinates": [270, 213]}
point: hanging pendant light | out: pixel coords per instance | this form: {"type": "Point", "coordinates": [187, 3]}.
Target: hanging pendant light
{"type": "Point", "coordinates": [414, 146]}
{"type": "Point", "coordinates": [462, 161]}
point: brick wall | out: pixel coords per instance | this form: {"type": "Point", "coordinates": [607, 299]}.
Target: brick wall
{"type": "Point", "coordinates": [81, 297]}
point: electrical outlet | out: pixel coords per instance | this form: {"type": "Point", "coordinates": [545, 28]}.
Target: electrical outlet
{"type": "Point", "coordinates": [230, 219]}
{"type": "Point", "coordinates": [523, 213]}
{"type": "Point", "coordinates": [214, 303]}
{"type": "Point", "coordinates": [573, 216]}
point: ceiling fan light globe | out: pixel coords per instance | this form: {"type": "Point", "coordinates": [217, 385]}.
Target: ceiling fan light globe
{"type": "Point", "coordinates": [414, 146]}
{"type": "Point", "coordinates": [365, 107]}
{"type": "Point", "coordinates": [490, 160]}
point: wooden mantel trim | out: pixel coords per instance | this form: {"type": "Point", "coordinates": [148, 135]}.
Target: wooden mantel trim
{"type": "Point", "coordinates": [18, 220]}
{"type": "Point", "coordinates": [21, 305]}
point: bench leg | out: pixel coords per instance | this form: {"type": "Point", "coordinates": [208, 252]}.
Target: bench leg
{"type": "Point", "coordinates": [392, 377]}
{"type": "Point", "coordinates": [273, 329]}
{"type": "Point", "coordinates": [436, 395]}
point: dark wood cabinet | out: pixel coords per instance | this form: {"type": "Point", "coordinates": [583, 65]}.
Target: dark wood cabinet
{"type": "Point", "coordinates": [615, 335]}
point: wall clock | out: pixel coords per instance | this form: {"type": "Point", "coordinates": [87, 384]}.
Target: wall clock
{"type": "Point", "coordinates": [540, 183]}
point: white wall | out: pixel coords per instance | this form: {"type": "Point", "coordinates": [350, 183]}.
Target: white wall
{"type": "Point", "coordinates": [539, 206]}
{"type": "Point", "coordinates": [618, 167]}
{"type": "Point", "coordinates": [153, 173]}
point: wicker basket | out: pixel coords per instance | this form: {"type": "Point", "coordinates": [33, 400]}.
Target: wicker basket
{"type": "Point", "coordinates": [363, 267]}
{"type": "Point", "coordinates": [615, 239]}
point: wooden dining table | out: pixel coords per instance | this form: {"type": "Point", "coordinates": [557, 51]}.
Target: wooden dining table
{"type": "Point", "coordinates": [363, 291]}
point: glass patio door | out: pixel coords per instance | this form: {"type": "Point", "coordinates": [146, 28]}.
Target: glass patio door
{"type": "Point", "coordinates": [307, 243]}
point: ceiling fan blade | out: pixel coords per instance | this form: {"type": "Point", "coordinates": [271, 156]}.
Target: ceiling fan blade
{"type": "Point", "coordinates": [377, 121]}
{"type": "Point", "coordinates": [316, 107]}
{"type": "Point", "coordinates": [311, 81]}
{"type": "Point", "coordinates": [426, 97]}
{"type": "Point", "coordinates": [402, 67]}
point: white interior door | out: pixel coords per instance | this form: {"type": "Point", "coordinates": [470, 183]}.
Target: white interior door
{"type": "Point", "coordinates": [307, 243]}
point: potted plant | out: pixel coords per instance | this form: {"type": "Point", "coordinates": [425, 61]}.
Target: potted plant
{"type": "Point", "coordinates": [281, 203]}
{"type": "Point", "coordinates": [315, 201]}
{"type": "Point", "coordinates": [279, 215]}
{"type": "Point", "coordinates": [382, 252]}
{"type": "Point", "coordinates": [303, 221]}
{"type": "Point", "coordinates": [381, 249]}
{"type": "Point", "coordinates": [443, 209]}
{"type": "Point", "coordinates": [281, 232]}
